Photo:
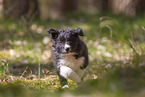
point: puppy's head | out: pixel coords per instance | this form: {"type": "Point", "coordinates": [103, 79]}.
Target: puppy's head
{"type": "Point", "coordinates": [66, 41]}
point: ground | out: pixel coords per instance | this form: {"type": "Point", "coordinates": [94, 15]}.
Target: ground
{"type": "Point", "coordinates": [116, 47]}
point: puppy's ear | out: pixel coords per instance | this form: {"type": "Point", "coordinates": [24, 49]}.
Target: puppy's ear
{"type": "Point", "coordinates": [79, 31]}
{"type": "Point", "coordinates": [54, 33]}
{"type": "Point", "coordinates": [61, 31]}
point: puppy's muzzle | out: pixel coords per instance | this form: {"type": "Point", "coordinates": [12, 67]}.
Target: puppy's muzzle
{"type": "Point", "coordinates": [67, 48]}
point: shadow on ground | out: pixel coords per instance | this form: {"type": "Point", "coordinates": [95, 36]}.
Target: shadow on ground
{"type": "Point", "coordinates": [31, 68]}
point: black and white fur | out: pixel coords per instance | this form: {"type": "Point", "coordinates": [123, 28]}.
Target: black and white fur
{"type": "Point", "coordinates": [69, 54]}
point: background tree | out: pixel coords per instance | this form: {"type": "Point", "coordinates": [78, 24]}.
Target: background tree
{"type": "Point", "coordinates": [67, 6]}
{"type": "Point", "coordinates": [19, 8]}
{"type": "Point", "coordinates": [127, 7]}
{"type": "Point", "coordinates": [56, 8]}
{"type": "Point", "coordinates": [92, 6]}
{"type": "Point", "coordinates": [59, 8]}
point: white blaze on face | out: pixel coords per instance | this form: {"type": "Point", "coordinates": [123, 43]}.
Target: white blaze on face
{"type": "Point", "coordinates": [66, 46]}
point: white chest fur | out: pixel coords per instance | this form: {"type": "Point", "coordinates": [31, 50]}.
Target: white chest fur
{"type": "Point", "coordinates": [70, 67]}
{"type": "Point", "coordinates": [72, 62]}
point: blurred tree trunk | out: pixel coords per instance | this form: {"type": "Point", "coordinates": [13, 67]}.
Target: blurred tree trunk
{"type": "Point", "coordinates": [19, 8]}
{"type": "Point", "coordinates": [141, 6]}
{"type": "Point", "coordinates": [92, 6]}
{"type": "Point", "coordinates": [67, 6]}
{"type": "Point", "coordinates": [47, 9]}
{"type": "Point", "coordinates": [56, 8]}
{"type": "Point", "coordinates": [128, 7]}
{"type": "Point", "coordinates": [1, 9]}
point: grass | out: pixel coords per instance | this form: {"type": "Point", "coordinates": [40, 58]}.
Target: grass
{"type": "Point", "coordinates": [116, 52]}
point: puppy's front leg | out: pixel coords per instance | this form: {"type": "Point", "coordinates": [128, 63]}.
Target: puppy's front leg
{"type": "Point", "coordinates": [68, 72]}
{"type": "Point", "coordinates": [63, 81]}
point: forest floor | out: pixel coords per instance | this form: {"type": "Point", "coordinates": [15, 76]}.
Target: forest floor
{"type": "Point", "coordinates": [116, 47]}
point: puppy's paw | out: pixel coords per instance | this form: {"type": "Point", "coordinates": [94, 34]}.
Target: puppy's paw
{"type": "Point", "coordinates": [65, 86]}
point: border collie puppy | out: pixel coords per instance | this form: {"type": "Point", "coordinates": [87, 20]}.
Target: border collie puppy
{"type": "Point", "coordinates": [69, 54]}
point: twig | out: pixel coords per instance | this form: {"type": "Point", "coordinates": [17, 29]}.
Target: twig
{"type": "Point", "coordinates": [143, 28]}
{"type": "Point", "coordinates": [39, 70]}
{"type": "Point", "coordinates": [103, 17]}
{"type": "Point", "coordinates": [110, 30]}
{"type": "Point", "coordinates": [25, 71]}
{"type": "Point", "coordinates": [27, 21]}
{"type": "Point", "coordinates": [131, 44]}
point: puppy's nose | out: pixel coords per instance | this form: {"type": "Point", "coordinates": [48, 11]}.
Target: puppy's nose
{"type": "Point", "coordinates": [67, 49]}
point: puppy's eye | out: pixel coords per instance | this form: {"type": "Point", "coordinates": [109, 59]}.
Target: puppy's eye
{"type": "Point", "coordinates": [60, 42]}
{"type": "Point", "coordinates": [71, 41]}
